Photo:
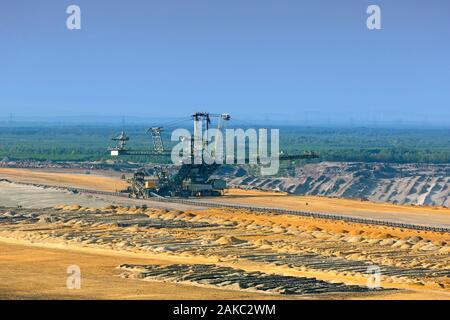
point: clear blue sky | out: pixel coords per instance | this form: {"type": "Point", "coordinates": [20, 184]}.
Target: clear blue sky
{"type": "Point", "coordinates": [311, 59]}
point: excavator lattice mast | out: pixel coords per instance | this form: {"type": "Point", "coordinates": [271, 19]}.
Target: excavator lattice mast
{"type": "Point", "coordinates": [192, 179]}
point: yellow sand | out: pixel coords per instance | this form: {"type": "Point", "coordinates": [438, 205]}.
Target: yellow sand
{"type": "Point", "coordinates": [63, 179]}
{"type": "Point", "coordinates": [275, 199]}
{"type": "Point", "coordinates": [29, 272]}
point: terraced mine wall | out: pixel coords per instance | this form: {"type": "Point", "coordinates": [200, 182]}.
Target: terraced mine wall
{"type": "Point", "coordinates": [419, 184]}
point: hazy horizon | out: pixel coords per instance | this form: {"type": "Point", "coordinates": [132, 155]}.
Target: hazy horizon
{"type": "Point", "coordinates": [92, 120]}
{"type": "Point", "coordinates": [284, 61]}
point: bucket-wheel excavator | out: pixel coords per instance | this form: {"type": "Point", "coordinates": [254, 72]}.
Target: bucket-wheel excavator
{"type": "Point", "coordinates": [192, 179]}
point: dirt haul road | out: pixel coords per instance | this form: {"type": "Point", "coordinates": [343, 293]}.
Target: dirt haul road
{"type": "Point", "coordinates": [421, 215]}
{"type": "Point", "coordinates": [230, 253]}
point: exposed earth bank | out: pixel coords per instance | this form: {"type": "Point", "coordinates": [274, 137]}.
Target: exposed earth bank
{"type": "Point", "coordinates": [418, 184]}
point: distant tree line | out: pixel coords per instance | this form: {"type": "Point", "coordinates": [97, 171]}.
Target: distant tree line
{"type": "Point", "coordinates": [90, 143]}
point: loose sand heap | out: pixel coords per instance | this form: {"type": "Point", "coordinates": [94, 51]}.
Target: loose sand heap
{"type": "Point", "coordinates": [333, 257]}
{"type": "Point", "coordinates": [45, 229]}
{"type": "Point", "coordinates": [237, 279]}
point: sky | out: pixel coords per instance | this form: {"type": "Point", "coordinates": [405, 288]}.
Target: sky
{"type": "Point", "coordinates": [295, 61]}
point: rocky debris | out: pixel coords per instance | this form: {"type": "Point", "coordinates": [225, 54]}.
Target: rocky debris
{"type": "Point", "coordinates": [230, 278]}
{"type": "Point", "coordinates": [408, 258]}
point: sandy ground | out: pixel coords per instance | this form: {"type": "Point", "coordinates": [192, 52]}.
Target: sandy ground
{"type": "Point", "coordinates": [87, 181]}
{"type": "Point", "coordinates": [28, 196]}
{"type": "Point", "coordinates": [178, 252]}
{"type": "Point", "coordinates": [31, 272]}
{"type": "Point", "coordinates": [425, 215]}
{"type": "Point", "coordinates": [311, 258]}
